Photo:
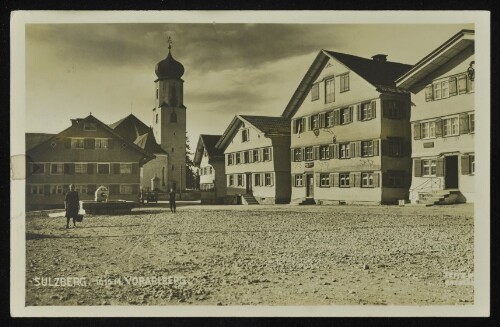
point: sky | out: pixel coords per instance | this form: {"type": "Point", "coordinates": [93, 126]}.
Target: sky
{"type": "Point", "coordinates": [230, 69]}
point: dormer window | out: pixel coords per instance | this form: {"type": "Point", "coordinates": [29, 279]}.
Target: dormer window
{"type": "Point", "coordinates": [244, 135]}
{"type": "Point", "coordinates": [89, 126]}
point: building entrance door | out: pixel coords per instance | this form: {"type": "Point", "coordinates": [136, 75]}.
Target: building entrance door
{"type": "Point", "coordinates": [451, 172]}
{"type": "Point", "coordinates": [309, 186]}
{"type": "Point", "coordinates": [249, 183]}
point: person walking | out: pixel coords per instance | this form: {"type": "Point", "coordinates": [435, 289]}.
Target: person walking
{"type": "Point", "coordinates": [172, 200]}
{"type": "Point", "coordinates": [72, 205]}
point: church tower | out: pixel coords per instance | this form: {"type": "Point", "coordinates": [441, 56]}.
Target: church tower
{"type": "Point", "coordinates": [169, 118]}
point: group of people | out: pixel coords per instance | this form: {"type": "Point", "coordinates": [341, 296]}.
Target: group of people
{"type": "Point", "coordinates": [72, 202]}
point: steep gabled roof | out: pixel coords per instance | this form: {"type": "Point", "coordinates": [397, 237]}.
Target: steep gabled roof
{"type": "Point", "coordinates": [458, 43]}
{"type": "Point", "coordinates": [33, 139]}
{"type": "Point", "coordinates": [134, 130]}
{"type": "Point", "coordinates": [148, 156]}
{"type": "Point", "coordinates": [270, 126]}
{"type": "Point", "coordinates": [130, 127]}
{"type": "Point", "coordinates": [148, 143]}
{"type": "Point", "coordinates": [207, 142]}
{"type": "Point", "coordinates": [375, 72]}
{"type": "Point", "coordinates": [381, 74]}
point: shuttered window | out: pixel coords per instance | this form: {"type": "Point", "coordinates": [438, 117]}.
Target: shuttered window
{"type": "Point", "coordinates": [324, 180]}
{"type": "Point", "coordinates": [367, 148]}
{"type": "Point", "coordinates": [344, 151]}
{"type": "Point", "coordinates": [103, 168]}
{"type": "Point", "coordinates": [344, 180]}
{"type": "Point", "coordinates": [315, 92]}
{"type": "Point", "coordinates": [81, 168]}
{"type": "Point", "coordinates": [309, 154]}
{"type": "Point", "coordinates": [366, 179]}
{"type": "Point", "coordinates": [344, 82]}
{"type": "Point", "coordinates": [125, 168]}
{"type": "Point", "coordinates": [77, 143]}
{"type": "Point", "coordinates": [298, 180]}
{"type": "Point", "coordinates": [324, 152]}
{"type": "Point", "coordinates": [428, 93]}
{"type": "Point", "coordinates": [450, 126]}
{"type": "Point", "coordinates": [428, 167]}
{"type": "Point", "coordinates": [330, 90]}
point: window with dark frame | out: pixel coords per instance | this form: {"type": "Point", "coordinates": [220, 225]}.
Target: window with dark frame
{"type": "Point", "coordinates": [309, 154]}
{"type": "Point", "coordinates": [344, 82]}
{"type": "Point", "coordinates": [297, 155]}
{"type": "Point", "coordinates": [103, 168]}
{"type": "Point", "coordinates": [471, 123]}
{"type": "Point", "coordinates": [324, 180]}
{"type": "Point", "coordinates": [394, 148]}
{"type": "Point", "coordinates": [345, 116]}
{"type": "Point", "coordinates": [324, 152]}
{"type": "Point", "coordinates": [298, 180]}
{"type": "Point", "coordinates": [257, 180]}
{"type": "Point", "coordinates": [395, 179]}
{"type": "Point", "coordinates": [267, 179]}
{"type": "Point", "coordinates": [344, 180]}
{"type": "Point", "coordinates": [329, 119]}
{"type": "Point", "coordinates": [367, 148]}
{"type": "Point", "coordinates": [344, 150]}
{"type": "Point", "coordinates": [330, 90]}
{"type": "Point", "coordinates": [314, 122]}
{"type": "Point", "coordinates": [366, 179]}
{"type": "Point", "coordinates": [266, 154]}
{"type": "Point", "coordinates": [244, 135]}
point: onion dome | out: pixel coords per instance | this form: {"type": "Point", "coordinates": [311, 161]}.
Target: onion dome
{"type": "Point", "coordinates": [169, 68]}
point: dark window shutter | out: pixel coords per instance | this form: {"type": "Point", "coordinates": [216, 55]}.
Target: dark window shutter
{"type": "Point", "coordinates": [110, 143]}
{"type": "Point", "coordinates": [438, 128]}
{"type": "Point", "coordinates": [89, 143]}
{"type": "Point", "coordinates": [465, 165]}
{"type": "Point", "coordinates": [440, 167]}
{"type": "Point", "coordinates": [453, 86]}
{"type": "Point", "coordinates": [352, 150]}
{"type": "Point", "coordinates": [358, 149]}
{"type": "Point", "coordinates": [135, 168]}
{"type": "Point", "coordinates": [351, 179]}
{"type": "Point", "coordinates": [135, 189]}
{"type": "Point", "coordinates": [270, 154]}
{"type": "Point", "coordinates": [358, 110]}
{"type": "Point", "coordinates": [116, 168]}
{"type": "Point", "coordinates": [351, 109]}
{"type": "Point", "coordinates": [321, 118]}
{"type": "Point", "coordinates": [304, 125]}
{"type": "Point", "coordinates": [383, 146]}
{"type": "Point", "coordinates": [67, 143]}
{"type": "Point", "coordinates": [417, 131]}
{"type": "Point", "coordinates": [317, 179]}
{"type": "Point", "coordinates": [114, 189]}
{"type": "Point", "coordinates": [385, 179]}
{"type": "Point", "coordinates": [428, 93]}
{"type": "Point", "coordinates": [292, 154]}
{"type": "Point", "coordinates": [91, 188]}
{"type": "Point", "coordinates": [336, 117]}
{"type": "Point", "coordinates": [373, 108]}
{"type": "Point", "coordinates": [384, 108]}
{"type": "Point", "coordinates": [376, 182]}
{"type": "Point", "coordinates": [303, 151]}
{"type": "Point", "coordinates": [336, 180]}
{"type": "Point", "coordinates": [316, 153]}
{"type": "Point", "coordinates": [294, 126]}
{"type": "Point", "coordinates": [67, 169]}
{"type": "Point", "coordinates": [332, 179]}
{"type": "Point", "coordinates": [464, 123]}
{"type": "Point", "coordinates": [406, 148]}
{"type": "Point", "coordinates": [417, 168]}
{"type": "Point", "coordinates": [376, 147]}
{"type": "Point", "coordinates": [46, 190]}
{"type": "Point", "coordinates": [357, 179]}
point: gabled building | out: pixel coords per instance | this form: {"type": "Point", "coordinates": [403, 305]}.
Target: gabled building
{"type": "Point", "coordinates": [211, 168]}
{"type": "Point", "coordinates": [87, 154]}
{"type": "Point", "coordinates": [154, 173]}
{"type": "Point", "coordinates": [442, 118]}
{"type": "Point", "coordinates": [350, 131]}
{"type": "Point", "coordinates": [257, 159]}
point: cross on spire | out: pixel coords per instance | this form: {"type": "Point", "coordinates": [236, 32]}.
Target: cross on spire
{"type": "Point", "coordinates": [169, 41]}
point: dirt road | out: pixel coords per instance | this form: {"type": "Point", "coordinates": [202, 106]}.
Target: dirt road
{"type": "Point", "coordinates": [251, 255]}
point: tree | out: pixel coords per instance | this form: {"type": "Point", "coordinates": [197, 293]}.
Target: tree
{"type": "Point", "coordinates": [192, 181]}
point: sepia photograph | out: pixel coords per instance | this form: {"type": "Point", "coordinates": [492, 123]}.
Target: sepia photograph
{"type": "Point", "coordinates": [260, 165]}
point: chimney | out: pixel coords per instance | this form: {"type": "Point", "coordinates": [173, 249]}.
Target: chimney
{"type": "Point", "coordinates": [380, 57]}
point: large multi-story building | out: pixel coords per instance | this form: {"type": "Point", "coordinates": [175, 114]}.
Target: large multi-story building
{"type": "Point", "coordinates": [211, 169]}
{"type": "Point", "coordinates": [442, 119]}
{"type": "Point", "coordinates": [257, 159]}
{"type": "Point", "coordinates": [154, 173]}
{"type": "Point", "coordinates": [87, 154]}
{"type": "Point", "coordinates": [350, 131]}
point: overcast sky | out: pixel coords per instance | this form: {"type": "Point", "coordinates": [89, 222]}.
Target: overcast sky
{"type": "Point", "coordinates": [108, 69]}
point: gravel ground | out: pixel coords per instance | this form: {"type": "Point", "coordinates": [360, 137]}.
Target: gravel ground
{"type": "Point", "coordinates": [254, 255]}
